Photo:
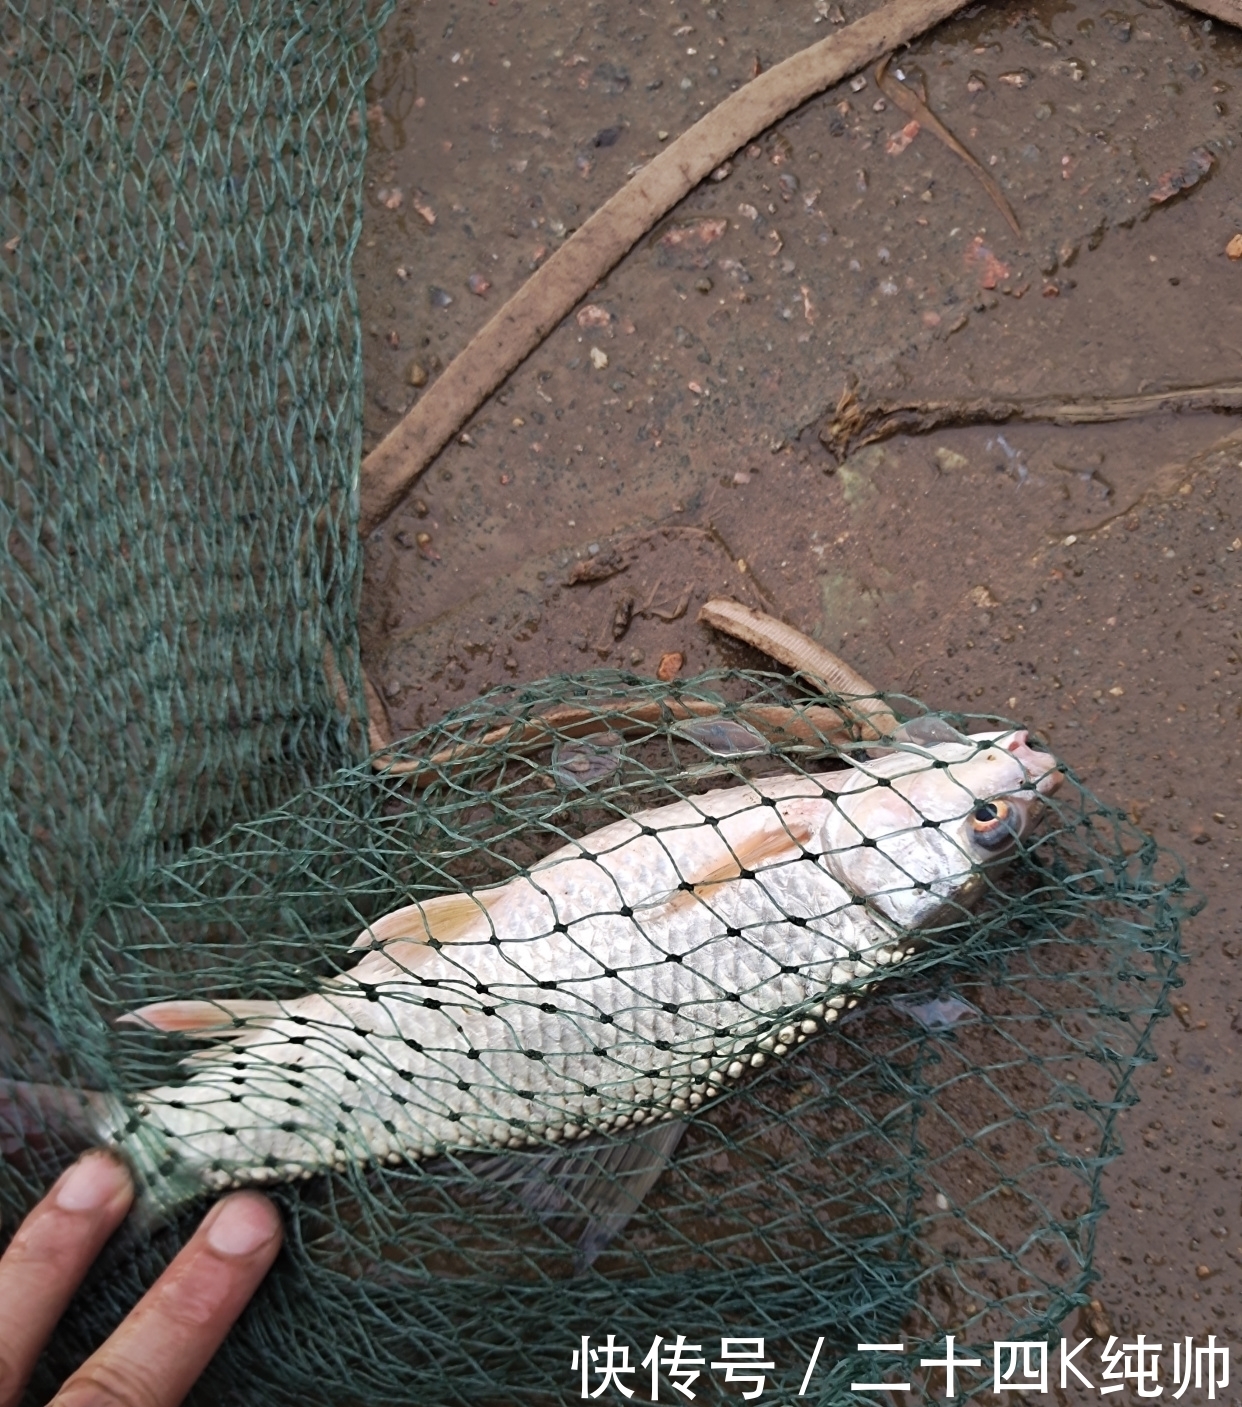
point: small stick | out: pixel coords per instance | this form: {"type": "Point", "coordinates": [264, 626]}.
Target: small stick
{"type": "Point", "coordinates": [914, 106]}
{"type": "Point", "coordinates": [1229, 11]}
{"type": "Point", "coordinates": [790, 647]}
{"type": "Point", "coordinates": [811, 727]}
{"type": "Point", "coordinates": [854, 424]}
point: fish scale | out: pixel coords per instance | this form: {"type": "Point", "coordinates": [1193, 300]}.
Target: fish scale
{"type": "Point", "coordinates": [624, 979]}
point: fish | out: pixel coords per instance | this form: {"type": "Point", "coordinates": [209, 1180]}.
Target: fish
{"type": "Point", "coordinates": [618, 985]}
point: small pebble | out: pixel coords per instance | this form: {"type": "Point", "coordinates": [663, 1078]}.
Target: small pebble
{"type": "Point", "coordinates": [670, 665]}
{"type": "Point", "coordinates": [950, 462]}
{"type": "Point", "coordinates": [478, 285]}
{"type": "Point", "coordinates": [439, 297]}
{"type": "Point", "coordinates": [703, 285]}
{"type": "Point", "coordinates": [417, 374]}
{"type": "Point", "coordinates": [599, 358]}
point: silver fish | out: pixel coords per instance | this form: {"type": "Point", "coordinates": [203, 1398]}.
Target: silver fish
{"type": "Point", "coordinates": [627, 978]}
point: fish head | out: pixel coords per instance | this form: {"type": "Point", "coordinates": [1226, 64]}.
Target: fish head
{"type": "Point", "coordinates": [916, 831]}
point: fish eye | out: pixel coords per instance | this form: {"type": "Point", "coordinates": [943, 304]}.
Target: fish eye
{"type": "Point", "coordinates": [992, 824]}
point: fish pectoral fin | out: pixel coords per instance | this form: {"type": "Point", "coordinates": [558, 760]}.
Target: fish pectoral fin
{"type": "Point", "coordinates": [589, 1195]}
{"type": "Point", "coordinates": [444, 919]}
{"type": "Point", "coordinates": [200, 1019]}
{"type": "Point", "coordinates": [764, 847]}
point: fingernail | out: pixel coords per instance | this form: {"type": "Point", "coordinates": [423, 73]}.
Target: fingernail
{"type": "Point", "coordinates": [241, 1225]}
{"type": "Point", "coordinates": [92, 1183]}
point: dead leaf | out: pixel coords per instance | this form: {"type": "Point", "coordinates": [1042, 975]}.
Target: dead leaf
{"type": "Point", "coordinates": [599, 568]}
{"type": "Point", "coordinates": [990, 269]}
{"type": "Point", "coordinates": [670, 665]}
{"type": "Point", "coordinates": [899, 141]}
{"type": "Point", "coordinates": [594, 316]}
{"type": "Point", "coordinates": [697, 232]}
{"type": "Point", "coordinates": [1183, 177]}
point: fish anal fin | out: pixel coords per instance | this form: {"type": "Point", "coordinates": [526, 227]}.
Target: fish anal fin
{"type": "Point", "coordinates": [764, 847]}
{"type": "Point", "coordinates": [444, 919]}
{"type": "Point", "coordinates": [587, 1195]}
{"type": "Point", "coordinates": [204, 1019]}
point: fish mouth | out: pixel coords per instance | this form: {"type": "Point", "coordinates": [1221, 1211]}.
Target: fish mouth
{"type": "Point", "coordinates": [1041, 767]}
{"type": "Point", "coordinates": [1050, 782]}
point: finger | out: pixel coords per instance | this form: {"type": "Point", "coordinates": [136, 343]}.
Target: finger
{"type": "Point", "coordinates": [155, 1356]}
{"type": "Point", "coordinates": [48, 1257]}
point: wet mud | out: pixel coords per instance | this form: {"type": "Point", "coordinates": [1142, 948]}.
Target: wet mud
{"type": "Point", "coordinates": [663, 445]}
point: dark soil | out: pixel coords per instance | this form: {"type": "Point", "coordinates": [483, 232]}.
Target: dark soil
{"type": "Point", "coordinates": [1086, 581]}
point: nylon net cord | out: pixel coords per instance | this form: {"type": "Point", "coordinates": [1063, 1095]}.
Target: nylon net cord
{"type": "Point", "coordinates": [865, 1116]}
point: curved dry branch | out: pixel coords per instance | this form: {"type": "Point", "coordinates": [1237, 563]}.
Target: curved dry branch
{"type": "Point", "coordinates": [855, 424]}
{"type": "Point", "coordinates": [790, 647]}
{"type": "Point", "coordinates": [811, 726]}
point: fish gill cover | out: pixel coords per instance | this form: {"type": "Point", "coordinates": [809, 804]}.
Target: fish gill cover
{"type": "Point", "coordinates": [186, 816]}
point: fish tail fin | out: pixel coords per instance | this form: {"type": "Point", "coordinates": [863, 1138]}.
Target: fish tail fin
{"type": "Point", "coordinates": [205, 1020]}
{"type": "Point", "coordinates": [44, 1128]}
{"type": "Point", "coordinates": [587, 1196]}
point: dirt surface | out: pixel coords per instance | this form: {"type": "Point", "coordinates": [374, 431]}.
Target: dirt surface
{"type": "Point", "coordinates": [1085, 580]}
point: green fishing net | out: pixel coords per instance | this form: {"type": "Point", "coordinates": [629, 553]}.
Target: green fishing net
{"type": "Point", "coordinates": [188, 812]}
{"type": "Point", "coordinates": [929, 1165]}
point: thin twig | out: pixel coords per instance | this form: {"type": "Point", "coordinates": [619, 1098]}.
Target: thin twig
{"type": "Point", "coordinates": [914, 106]}
{"type": "Point", "coordinates": [811, 726]}
{"type": "Point", "coordinates": [854, 424]}
{"type": "Point", "coordinates": [789, 646]}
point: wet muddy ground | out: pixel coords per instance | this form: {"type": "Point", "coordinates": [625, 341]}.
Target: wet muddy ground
{"type": "Point", "coordinates": [1085, 580]}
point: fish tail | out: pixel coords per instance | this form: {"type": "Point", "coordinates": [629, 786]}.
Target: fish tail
{"type": "Point", "coordinates": [42, 1125]}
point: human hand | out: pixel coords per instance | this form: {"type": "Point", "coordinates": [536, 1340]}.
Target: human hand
{"type": "Point", "coordinates": [155, 1356]}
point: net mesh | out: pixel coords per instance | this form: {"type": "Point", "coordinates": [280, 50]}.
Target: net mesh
{"type": "Point", "coordinates": [908, 1147]}
{"type": "Point", "coordinates": [180, 414]}
{"type": "Point", "coordinates": [929, 1164]}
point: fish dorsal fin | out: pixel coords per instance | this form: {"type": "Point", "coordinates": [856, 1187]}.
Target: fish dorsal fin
{"type": "Point", "coordinates": [763, 847]}
{"type": "Point", "coordinates": [406, 934]}
{"type": "Point", "coordinates": [201, 1019]}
